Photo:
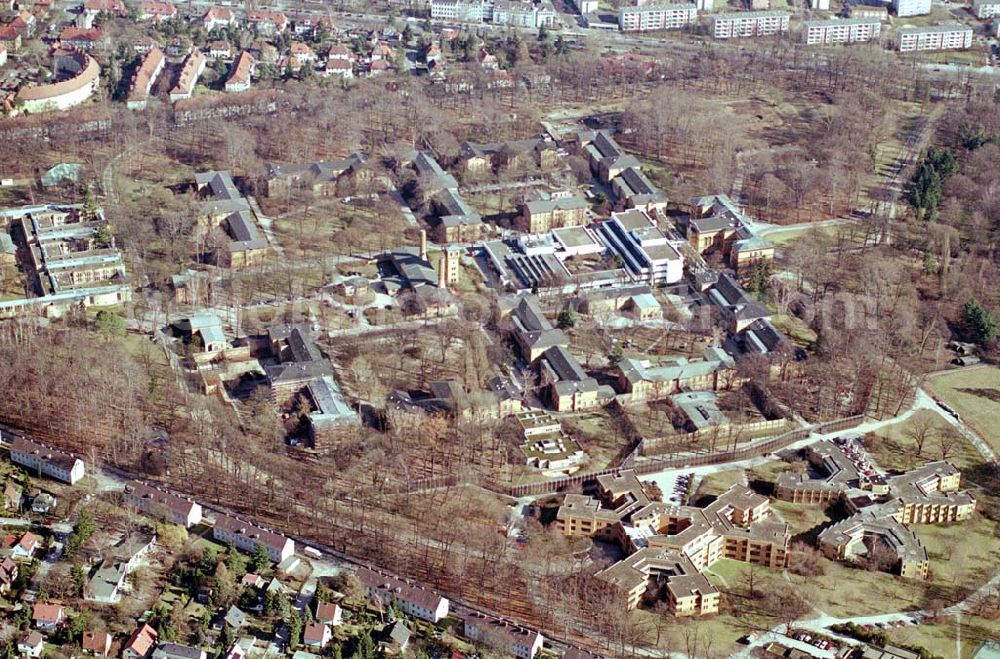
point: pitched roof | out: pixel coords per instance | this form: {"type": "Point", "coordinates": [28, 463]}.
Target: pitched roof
{"type": "Point", "coordinates": [416, 595]}
{"type": "Point", "coordinates": [142, 640]}
{"type": "Point", "coordinates": [51, 613]}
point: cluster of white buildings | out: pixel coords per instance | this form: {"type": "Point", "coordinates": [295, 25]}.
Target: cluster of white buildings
{"type": "Point", "coordinates": [904, 8]}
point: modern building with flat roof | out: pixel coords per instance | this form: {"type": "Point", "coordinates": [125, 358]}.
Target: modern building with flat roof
{"type": "Point", "coordinates": [935, 37]}
{"type": "Point", "coordinates": [647, 18]}
{"type": "Point", "coordinates": [985, 8]}
{"type": "Point", "coordinates": [905, 8]}
{"type": "Point", "coordinates": [841, 30]}
{"type": "Point", "coordinates": [749, 24]}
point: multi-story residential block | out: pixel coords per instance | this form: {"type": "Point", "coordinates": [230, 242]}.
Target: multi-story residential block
{"type": "Point", "coordinates": [585, 6]}
{"type": "Point", "coordinates": [839, 30]}
{"type": "Point", "coordinates": [163, 504]}
{"type": "Point", "coordinates": [145, 77]}
{"type": "Point", "coordinates": [911, 7]}
{"type": "Point", "coordinates": [657, 17]}
{"type": "Point", "coordinates": [191, 70]}
{"type": "Point", "coordinates": [49, 462]}
{"type": "Point", "coordinates": [414, 600]}
{"type": "Point", "coordinates": [995, 29]}
{"type": "Point", "coordinates": [247, 536]}
{"type": "Point", "coordinates": [509, 639]}
{"type": "Point", "coordinates": [749, 24]}
{"type": "Point", "coordinates": [821, 5]}
{"type": "Point", "coordinates": [868, 11]}
{"type": "Point", "coordinates": [241, 73]}
{"type": "Point", "coordinates": [936, 37]}
{"type": "Point", "coordinates": [473, 11]}
{"type": "Point", "coordinates": [985, 8]}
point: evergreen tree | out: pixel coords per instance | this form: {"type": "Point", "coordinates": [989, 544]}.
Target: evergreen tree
{"type": "Point", "coordinates": [979, 324]}
{"type": "Point", "coordinates": [260, 559]}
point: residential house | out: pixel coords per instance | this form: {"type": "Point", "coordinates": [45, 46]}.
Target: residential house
{"type": "Point", "coordinates": [267, 23]}
{"type": "Point", "coordinates": [106, 583]}
{"type": "Point", "coordinates": [412, 599]}
{"type": "Point", "coordinates": [140, 644]}
{"type": "Point", "coordinates": [10, 38]}
{"type": "Point", "coordinates": [25, 546]}
{"type": "Point", "coordinates": [218, 17]}
{"type": "Point", "coordinates": [316, 635]}
{"type": "Point", "coordinates": [144, 79]}
{"type": "Point", "coordinates": [341, 68]}
{"type": "Point", "coordinates": [302, 54]}
{"type": "Point", "coordinates": [177, 651]}
{"type": "Point", "coordinates": [31, 644]}
{"type": "Point", "coordinates": [505, 637]}
{"type": "Point", "coordinates": [43, 503]}
{"type": "Point", "coordinates": [321, 177]}
{"type": "Point", "coordinates": [12, 495]}
{"type": "Point", "coordinates": [8, 574]}
{"type": "Point", "coordinates": [225, 206]}
{"type": "Point", "coordinates": [83, 38]}
{"type": "Point", "coordinates": [329, 613]}
{"type": "Point", "coordinates": [153, 10]}
{"type": "Point", "coordinates": [48, 616]}
{"type": "Point", "coordinates": [247, 536]}
{"type": "Point", "coordinates": [97, 644]}
{"type": "Point", "coordinates": [241, 73]}
{"type": "Point", "coordinates": [192, 68]}
{"type": "Point", "coordinates": [162, 504]}
{"type": "Point", "coordinates": [112, 7]}
{"type": "Point", "coordinates": [395, 638]}
{"type": "Point", "coordinates": [220, 50]}
{"type": "Point", "coordinates": [39, 458]}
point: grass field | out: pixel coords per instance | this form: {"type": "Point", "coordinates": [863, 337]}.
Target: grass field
{"type": "Point", "coordinates": [939, 638]}
{"type": "Point", "coordinates": [894, 447]}
{"type": "Point", "coordinates": [975, 394]}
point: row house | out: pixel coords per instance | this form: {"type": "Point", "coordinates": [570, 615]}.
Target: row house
{"type": "Point", "coordinates": [83, 38]}
{"type": "Point", "coordinates": [246, 536]}
{"type": "Point", "coordinates": [162, 504]}
{"type": "Point", "coordinates": [151, 10]}
{"type": "Point", "coordinates": [145, 77]}
{"type": "Point", "coordinates": [508, 638]}
{"type": "Point", "coordinates": [50, 462]}
{"type": "Point", "coordinates": [412, 599]}
{"type": "Point", "coordinates": [191, 70]}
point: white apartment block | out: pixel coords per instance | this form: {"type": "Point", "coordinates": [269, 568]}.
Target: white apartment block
{"type": "Point", "coordinates": [657, 17]}
{"type": "Point", "coordinates": [37, 457]}
{"type": "Point", "coordinates": [822, 5]}
{"type": "Point", "coordinates": [996, 27]}
{"type": "Point", "coordinates": [986, 8]}
{"type": "Point", "coordinates": [937, 37]}
{"type": "Point", "coordinates": [848, 30]}
{"type": "Point", "coordinates": [911, 7]}
{"type": "Point", "coordinates": [704, 5]}
{"type": "Point", "coordinates": [524, 13]}
{"type": "Point", "coordinates": [585, 6]}
{"type": "Point", "coordinates": [460, 10]}
{"type": "Point", "coordinates": [749, 24]}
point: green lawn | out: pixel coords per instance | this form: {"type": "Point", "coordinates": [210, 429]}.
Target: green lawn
{"type": "Point", "coordinates": [940, 636]}
{"type": "Point", "coordinates": [800, 518]}
{"type": "Point", "coordinates": [975, 394]}
{"type": "Point", "coordinates": [717, 483]}
{"type": "Point", "coordinates": [895, 447]}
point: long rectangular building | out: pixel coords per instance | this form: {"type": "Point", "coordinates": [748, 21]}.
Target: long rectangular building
{"type": "Point", "coordinates": [986, 8]}
{"type": "Point", "coordinates": [936, 37]}
{"type": "Point", "coordinates": [47, 461]}
{"type": "Point", "coordinates": [247, 536]}
{"type": "Point", "coordinates": [657, 17]}
{"type": "Point", "coordinates": [162, 504]}
{"type": "Point", "coordinates": [850, 30]}
{"type": "Point", "coordinates": [749, 24]}
{"type": "Point", "coordinates": [414, 600]}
